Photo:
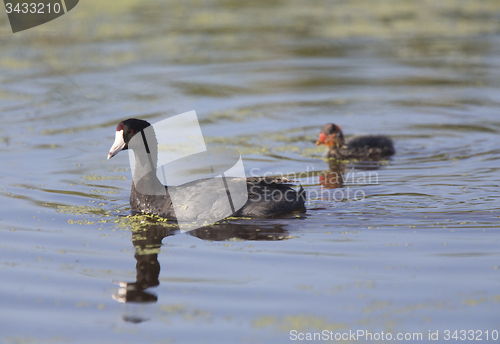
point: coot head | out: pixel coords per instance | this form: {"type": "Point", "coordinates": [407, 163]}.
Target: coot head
{"type": "Point", "coordinates": [331, 136]}
{"type": "Point", "coordinates": [125, 130]}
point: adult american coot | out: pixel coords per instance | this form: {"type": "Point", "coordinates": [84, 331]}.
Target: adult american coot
{"type": "Point", "coordinates": [370, 147]}
{"type": "Point", "coordinates": [267, 196]}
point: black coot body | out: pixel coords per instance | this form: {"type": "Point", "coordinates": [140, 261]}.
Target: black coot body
{"type": "Point", "coordinates": [370, 147]}
{"type": "Point", "coordinates": [267, 197]}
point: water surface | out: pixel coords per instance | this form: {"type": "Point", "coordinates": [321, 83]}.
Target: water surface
{"type": "Point", "coordinates": [418, 252]}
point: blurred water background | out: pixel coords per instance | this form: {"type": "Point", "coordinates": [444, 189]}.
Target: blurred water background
{"type": "Point", "coordinates": [418, 252]}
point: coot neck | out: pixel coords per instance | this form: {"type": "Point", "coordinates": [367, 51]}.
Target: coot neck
{"type": "Point", "coordinates": [145, 148]}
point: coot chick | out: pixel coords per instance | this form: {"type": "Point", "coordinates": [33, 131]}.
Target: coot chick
{"type": "Point", "coordinates": [370, 147]}
{"type": "Point", "coordinates": [267, 197]}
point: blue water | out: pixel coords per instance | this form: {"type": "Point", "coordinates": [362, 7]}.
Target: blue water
{"type": "Point", "coordinates": [418, 252]}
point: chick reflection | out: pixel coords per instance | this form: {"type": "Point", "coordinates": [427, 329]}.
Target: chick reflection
{"type": "Point", "coordinates": [147, 242]}
{"type": "Point", "coordinates": [334, 178]}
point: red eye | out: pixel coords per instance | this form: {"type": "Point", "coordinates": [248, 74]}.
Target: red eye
{"type": "Point", "coordinates": [131, 131]}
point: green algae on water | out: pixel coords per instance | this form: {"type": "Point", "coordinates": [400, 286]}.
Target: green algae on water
{"type": "Point", "coordinates": [95, 177]}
